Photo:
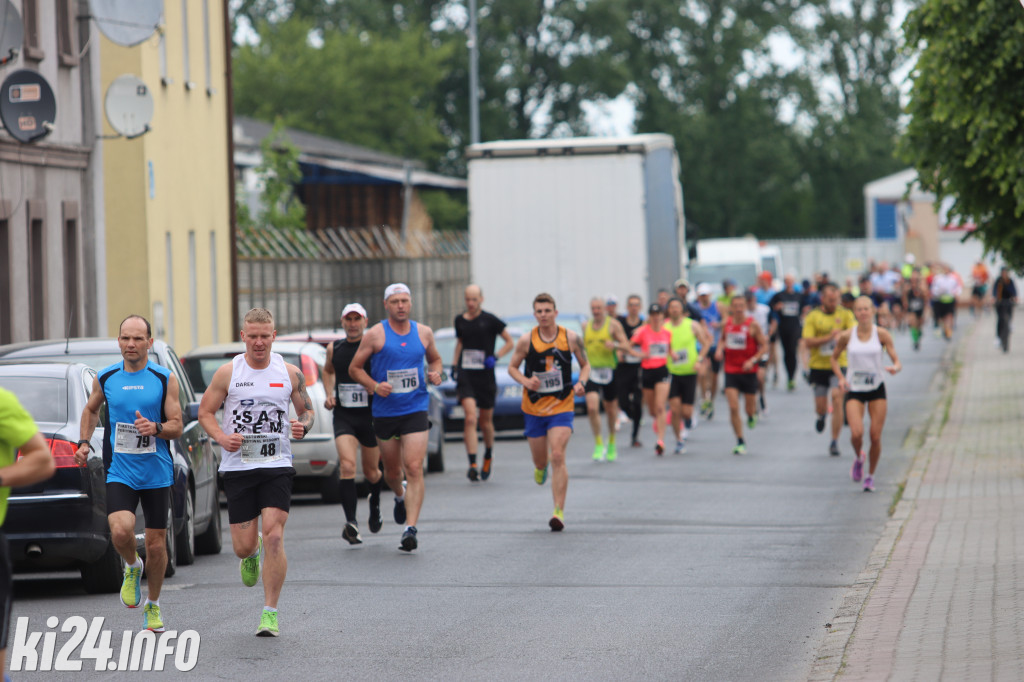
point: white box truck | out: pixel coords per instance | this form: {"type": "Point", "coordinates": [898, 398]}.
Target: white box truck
{"type": "Point", "coordinates": [575, 217]}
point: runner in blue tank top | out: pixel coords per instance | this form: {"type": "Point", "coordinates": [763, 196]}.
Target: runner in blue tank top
{"type": "Point", "coordinates": [143, 414]}
{"type": "Point", "coordinates": [399, 347]}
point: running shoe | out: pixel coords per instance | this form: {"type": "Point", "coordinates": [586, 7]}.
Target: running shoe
{"type": "Point", "coordinates": [598, 453]}
{"type": "Point", "coordinates": [375, 522]}
{"type": "Point", "coordinates": [711, 411]}
{"type": "Point", "coordinates": [680, 447]}
{"type": "Point", "coordinates": [268, 624]}
{"type": "Point", "coordinates": [350, 533]}
{"type": "Point", "coordinates": [540, 475]}
{"type": "Point", "coordinates": [400, 511]}
{"type": "Point", "coordinates": [869, 484]}
{"type": "Point", "coordinates": [740, 449]}
{"type": "Point", "coordinates": [760, 402]}
{"type": "Point", "coordinates": [485, 473]}
{"type": "Point", "coordinates": [151, 618]}
{"type": "Point", "coordinates": [408, 539]}
{"type": "Point", "coordinates": [857, 470]}
{"type": "Point", "coordinates": [688, 423]}
{"type": "Point", "coordinates": [819, 424]}
{"type": "Point", "coordinates": [751, 421]}
{"type": "Point", "coordinates": [637, 444]}
{"type": "Point", "coordinates": [557, 521]}
{"type": "Point", "coordinates": [659, 448]}
{"type": "Point", "coordinates": [791, 385]}
{"type": "Point", "coordinates": [250, 565]}
{"type": "Point", "coordinates": [705, 407]}
{"type": "Point", "coordinates": [833, 449]}
{"type": "Point", "coordinates": [473, 475]}
{"type": "Point", "coordinates": [612, 453]}
{"type": "Point", "coordinates": [131, 591]}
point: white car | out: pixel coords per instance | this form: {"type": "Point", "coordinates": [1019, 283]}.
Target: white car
{"type": "Point", "coordinates": [314, 457]}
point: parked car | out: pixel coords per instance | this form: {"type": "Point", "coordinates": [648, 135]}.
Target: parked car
{"type": "Point", "coordinates": [508, 412]}
{"type": "Point", "coordinates": [436, 410]}
{"type": "Point", "coordinates": [195, 524]}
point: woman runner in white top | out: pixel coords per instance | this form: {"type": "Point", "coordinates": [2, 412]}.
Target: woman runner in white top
{"type": "Point", "coordinates": [864, 384]}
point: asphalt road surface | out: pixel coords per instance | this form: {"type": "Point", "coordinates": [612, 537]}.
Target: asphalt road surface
{"type": "Point", "coordinates": [701, 566]}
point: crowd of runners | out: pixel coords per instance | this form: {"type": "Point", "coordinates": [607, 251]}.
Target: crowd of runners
{"type": "Point", "coordinates": [666, 361]}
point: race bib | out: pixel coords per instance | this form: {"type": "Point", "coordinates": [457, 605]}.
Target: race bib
{"type": "Point", "coordinates": [862, 382]}
{"type": "Point", "coordinates": [473, 359]}
{"type": "Point", "coordinates": [683, 356]}
{"type": "Point", "coordinates": [601, 375]}
{"type": "Point", "coordinates": [915, 305]}
{"type": "Point", "coordinates": [404, 380]}
{"type": "Point", "coordinates": [827, 348]}
{"type": "Point", "coordinates": [260, 448]}
{"type": "Point", "coordinates": [353, 395]}
{"type": "Point", "coordinates": [631, 359]}
{"type": "Point", "coordinates": [128, 440]}
{"type": "Point", "coordinates": [550, 382]}
{"type": "Point", "coordinates": [791, 308]}
{"type": "Point", "coordinates": [736, 341]}
{"type": "Point", "coordinates": [658, 350]}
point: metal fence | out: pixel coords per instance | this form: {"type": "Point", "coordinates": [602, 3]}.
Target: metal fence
{"type": "Point", "coordinates": [306, 278]}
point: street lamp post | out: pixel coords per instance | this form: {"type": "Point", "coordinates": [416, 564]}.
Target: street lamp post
{"type": "Point", "coordinates": [474, 77]}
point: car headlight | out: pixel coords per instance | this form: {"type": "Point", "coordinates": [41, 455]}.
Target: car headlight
{"type": "Point", "coordinates": [512, 391]}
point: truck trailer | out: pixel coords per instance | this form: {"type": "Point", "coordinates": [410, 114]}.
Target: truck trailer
{"type": "Point", "coordinates": [576, 218]}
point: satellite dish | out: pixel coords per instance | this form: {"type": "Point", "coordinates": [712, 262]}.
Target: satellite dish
{"type": "Point", "coordinates": [27, 106]}
{"type": "Point", "coordinates": [127, 22]}
{"type": "Point", "coordinates": [129, 106]}
{"type": "Point", "coordinates": [11, 32]}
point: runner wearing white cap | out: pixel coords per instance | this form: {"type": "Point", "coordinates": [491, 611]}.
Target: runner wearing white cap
{"type": "Point", "coordinates": [397, 382]}
{"type": "Point", "coordinates": [353, 425]}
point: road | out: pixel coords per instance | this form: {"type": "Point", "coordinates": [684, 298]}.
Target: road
{"type": "Point", "coordinates": [701, 566]}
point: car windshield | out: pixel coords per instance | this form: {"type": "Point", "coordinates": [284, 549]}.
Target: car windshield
{"type": "Point", "coordinates": [95, 360]}
{"type": "Point", "coordinates": [40, 396]}
{"type": "Point", "coordinates": [200, 371]}
{"type": "Point", "coordinates": [745, 274]}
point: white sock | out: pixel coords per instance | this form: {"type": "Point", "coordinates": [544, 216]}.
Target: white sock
{"type": "Point", "coordinates": [399, 498]}
{"type": "Point", "coordinates": [138, 562]}
{"type": "Point", "coordinates": [150, 601]}
{"type": "Point", "coordinates": [408, 527]}
{"type": "Point", "coordinates": [270, 608]}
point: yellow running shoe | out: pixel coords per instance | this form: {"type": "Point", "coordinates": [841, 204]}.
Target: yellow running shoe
{"type": "Point", "coordinates": [131, 592]}
{"type": "Point", "coordinates": [557, 521]}
{"type": "Point", "coordinates": [540, 475]}
{"type": "Point", "coordinates": [250, 565]}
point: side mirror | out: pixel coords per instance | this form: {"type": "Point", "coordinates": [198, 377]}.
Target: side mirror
{"type": "Point", "coordinates": [191, 412]}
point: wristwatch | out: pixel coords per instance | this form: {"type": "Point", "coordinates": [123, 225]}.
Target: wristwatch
{"type": "Point", "coordinates": [159, 428]}
{"type": "Point", "coordinates": [84, 441]}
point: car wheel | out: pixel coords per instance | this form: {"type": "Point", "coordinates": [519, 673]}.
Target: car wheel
{"type": "Point", "coordinates": [435, 461]}
{"type": "Point", "coordinates": [186, 539]}
{"type": "Point", "coordinates": [104, 575]}
{"type": "Point", "coordinates": [210, 542]}
{"type": "Point", "coordinates": [172, 553]}
{"type": "Point", "coordinates": [329, 491]}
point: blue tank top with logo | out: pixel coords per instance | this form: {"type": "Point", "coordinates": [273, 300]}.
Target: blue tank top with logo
{"type": "Point", "coordinates": [139, 462]}
{"type": "Point", "coordinates": [400, 363]}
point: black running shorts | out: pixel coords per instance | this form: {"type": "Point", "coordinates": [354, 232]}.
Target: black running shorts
{"type": "Point", "coordinates": [867, 396]}
{"type": "Point", "coordinates": [478, 385]}
{"type": "Point", "coordinates": [609, 391]}
{"type": "Point", "coordinates": [388, 428]}
{"type": "Point", "coordinates": [155, 503]}
{"type": "Point", "coordinates": [684, 387]}
{"type": "Point", "coordinates": [357, 423]}
{"type": "Point", "coordinates": [251, 491]}
{"type": "Point", "coordinates": [652, 377]}
{"type": "Point", "coordinates": [744, 383]}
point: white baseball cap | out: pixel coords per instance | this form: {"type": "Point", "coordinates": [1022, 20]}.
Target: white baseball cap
{"type": "Point", "coordinates": [704, 289]}
{"type": "Point", "coordinates": [396, 288]}
{"type": "Point", "coordinates": [354, 308]}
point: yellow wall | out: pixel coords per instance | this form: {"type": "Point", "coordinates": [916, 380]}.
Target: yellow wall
{"type": "Point", "coordinates": [187, 148]}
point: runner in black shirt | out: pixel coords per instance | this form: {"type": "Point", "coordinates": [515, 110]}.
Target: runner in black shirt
{"type": "Point", "coordinates": [628, 371]}
{"type": "Point", "coordinates": [787, 305]}
{"type": "Point", "coordinates": [476, 332]}
{"type": "Point", "coordinates": [1004, 291]}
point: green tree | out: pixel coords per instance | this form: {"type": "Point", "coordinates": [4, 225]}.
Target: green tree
{"type": "Point", "coordinates": [278, 172]}
{"type": "Point", "coordinates": [964, 136]}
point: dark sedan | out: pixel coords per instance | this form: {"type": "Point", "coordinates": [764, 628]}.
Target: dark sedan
{"type": "Point", "coordinates": [61, 523]}
{"type": "Point", "coordinates": [195, 504]}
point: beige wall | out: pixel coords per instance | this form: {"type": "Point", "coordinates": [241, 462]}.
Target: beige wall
{"type": "Point", "coordinates": [922, 238]}
{"type": "Point", "coordinates": [171, 183]}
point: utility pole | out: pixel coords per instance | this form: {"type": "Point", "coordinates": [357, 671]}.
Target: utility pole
{"type": "Point", "coordinates": [474, 77]}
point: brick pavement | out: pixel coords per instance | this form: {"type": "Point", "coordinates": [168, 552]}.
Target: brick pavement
{"type": "Point", "coordinates": [941, 596]}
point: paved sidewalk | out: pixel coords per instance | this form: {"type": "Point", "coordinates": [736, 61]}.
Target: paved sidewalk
{"type": "Point", "coordinates": [942, 596]}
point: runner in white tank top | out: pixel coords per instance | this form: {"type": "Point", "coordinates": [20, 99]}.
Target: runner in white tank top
{"type": "Point", "coordinates": [864, 384]}
{"type": "Point", "coordinates": [257, 407]}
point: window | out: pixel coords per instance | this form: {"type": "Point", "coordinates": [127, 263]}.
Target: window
{"type": "Point", "coordinates": [168, 248]}
{"type": "Point", "coordinates": [184, 45]}
{"type": "Point", "coordinates": [193, 288]}
{"type": "Point", "coordinates": [32, 39]}
{"type": "Point", "coordinates": [36, 271]}
{"type": "Point", "coordinates": [66, 50]}
{"type": "Point", "coordinates": [72, 309]}
{"type": "Point", "coordinates": [5, 272]}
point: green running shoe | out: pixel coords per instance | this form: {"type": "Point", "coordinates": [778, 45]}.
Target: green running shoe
{"type": "Point", "coordinates": [557, 521]}
{"type": "Point", "coordinates": [612, 454]}
{"type": "Point", "coordinates": [740, 449]}
{"type": "Point", "coordinates": [598, 453]}
{"type": "Point", "coordinates": [540, 475]}
{"type": "Point", "coordinates": [151, 618]}
{"type": "Point", "coordinates": [250, 569]}
{"type": "Point", "coordinates": [131, 592]}
{"type": "Point", "coordinates": [751, 422]}
{"type": "Point", "coordinates": [268, 624]}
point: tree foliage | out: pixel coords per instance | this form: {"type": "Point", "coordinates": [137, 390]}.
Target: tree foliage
{"type": "Point", "coordinates": [965, 136]}
{"type": "Point", "coordinates": [278, 173]}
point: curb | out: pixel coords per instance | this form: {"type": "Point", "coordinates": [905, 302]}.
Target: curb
{"type": "Point", "coordinates": [831, 654]}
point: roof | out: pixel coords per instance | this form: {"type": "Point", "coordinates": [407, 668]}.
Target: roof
{"type": "Point", "coordinates": [344, 163]}
{"type": "Point", "coordinates": [897, 186]}
{"type": "Point", "coordinates": [635, 144]}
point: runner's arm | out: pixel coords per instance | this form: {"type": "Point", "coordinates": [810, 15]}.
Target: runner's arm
{"type": "Point", "coordinates": [518, 355]}
{"type": "Point", "coordinates": [174, 426]}
{"type": "Point", "coordinates": [34, 464]}
{"type": "Point", "coordinates": [367, 347]}
{"type": "Point", "coordinates": [841, 342]}
{"type": "Point", "coordinates": [619, 336]}
{"type": "Point", "coordinates": [212, 400]}
{"type": "Point", "coordinates": [329, 377]}
{"type": "Point", "coordinates": [90, 418]}
{"type": "Point", "coordinates": [509, 344]}
{"type": "Point", "coordinates": [435, 365]}
{"type": "Point", "coordinates": [886, 339]}
{"type": "Point", "coordinates": [761, 339]}
{"type": "Point", "coordinates": [458, 353]}
{"type": "Point", "coordinates": [302, 402]}
{"type": "Point", "coordinates": [581, 356]}
{"type": "Point", "coordinates": [704, 337]}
